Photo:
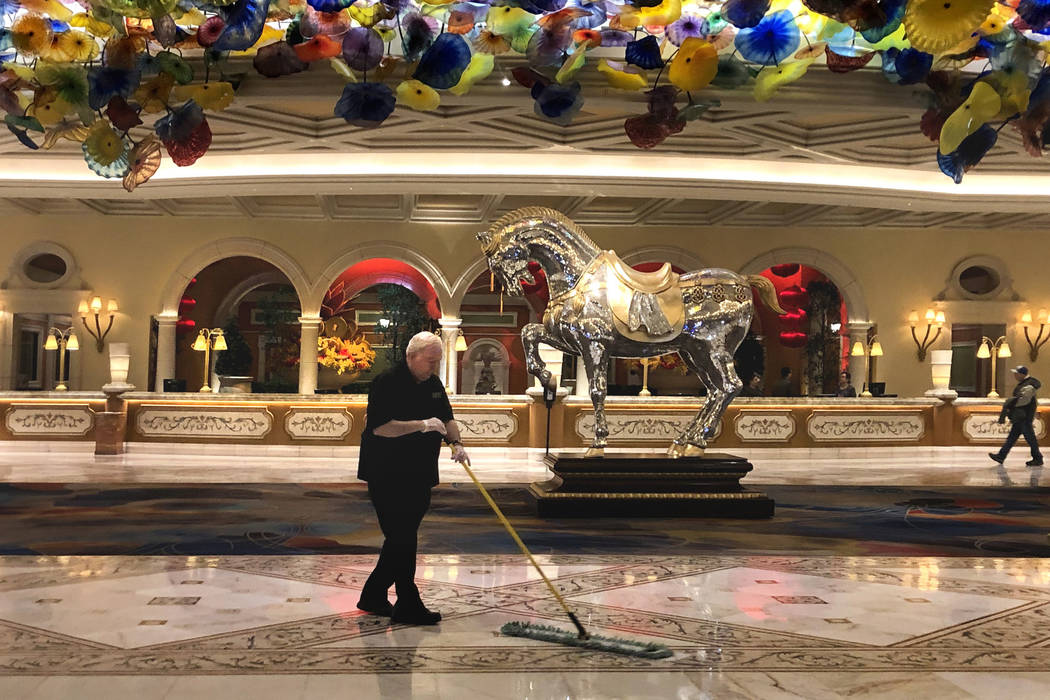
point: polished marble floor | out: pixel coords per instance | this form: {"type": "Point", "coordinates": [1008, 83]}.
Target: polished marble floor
{"type": "Point", "coordinates": [167, 463]}
{"type": "Point", "coordinates": [740, 627]}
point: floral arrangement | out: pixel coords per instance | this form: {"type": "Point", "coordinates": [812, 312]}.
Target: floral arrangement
{"type": "Point", "coordinates": [346, 351]}
{"type": "Point", "coordinates": [671, 361]}
{"type": "Point", "coordinates": [113, 75]}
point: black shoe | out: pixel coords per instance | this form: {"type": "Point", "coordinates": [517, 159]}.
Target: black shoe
{"type": "Point", "coordinates": [415, 616]}
{"type": "Point", "coordinates": [996, 458]}
{"type": "Point", "coordinates": [1034, 463]}
{"type": "Point", "coordinates": [376, 607]}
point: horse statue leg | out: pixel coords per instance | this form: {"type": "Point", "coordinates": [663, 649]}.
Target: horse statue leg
{"type": "Point", "coordinates": [532, 334]}
{"type": "Point", "coordinates": [719, 377]}
{"type": "Point", "coordinates": [596, 361]}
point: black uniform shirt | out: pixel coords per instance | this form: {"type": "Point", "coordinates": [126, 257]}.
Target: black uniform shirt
{"type": "Point", "coordinates": [410, 459]}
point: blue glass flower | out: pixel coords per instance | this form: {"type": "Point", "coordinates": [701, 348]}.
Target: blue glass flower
{"type": "Point", "coordinates": [894, 12]}
{"type": "Point", "coordinates": [772, 40]}
{"type": "Point", "coordinates": [180, 122]}
{"type": "Point", "coordinates": [969, 153]}
{"type": "Point", "coordinates": [744, 14]}
{"type": "Point", "coordinates": [106, 83]}
{"type": "Point", "coordinates": [1035, 13]}
{"type": "Point", "coordinates": [416, 35]}
{"type": "Point", "coordinates": [443, 64]}
{"type": "Point", "coordinates": [616, 37]}
{"type": "Point", "coordinates": [365, 104]}
{"type": "Point", "coordinates": [245, 20]}
{"type": "Point", "coordinates": [644, 53]}
{"type": "Point", "coordinates": [5, 39]}
{"type": "Point", "coordinates": [912, 66]}
{"type": "Point", "coordinates": [595, 19]}
{"type": "Point", "coordinates": [558, 103]}
{"type": "Point", "coordinates": [58, 26]}
{"type": "Point", "coordinates": [329, 5]}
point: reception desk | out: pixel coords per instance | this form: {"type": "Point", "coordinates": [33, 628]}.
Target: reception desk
{"type": "Point", "coordinates": [510, 421]}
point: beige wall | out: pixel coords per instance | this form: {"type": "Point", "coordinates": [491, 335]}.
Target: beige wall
{"type": "Point", "coordinates": [135, 259]}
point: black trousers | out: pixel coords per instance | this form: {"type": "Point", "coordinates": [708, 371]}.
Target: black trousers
{"type": "Point", "coordinates": [1017, 429]}
{"type": "Point", "coordinates": [400, 510]}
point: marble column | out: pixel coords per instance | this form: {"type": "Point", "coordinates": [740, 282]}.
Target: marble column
{"type": "Point", "coordinates": [311, 327]}
{"type": "Point", "coordinates": [449, 335]}
{"type": "Point", "coordinates": [858, 332]}
{"type": "Point", "coordinates": [165, 349]}
{"type": "Point", "coordinates": [7, 345]}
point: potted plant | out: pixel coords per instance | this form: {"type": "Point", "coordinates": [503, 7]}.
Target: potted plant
{"type": "Point", "coordinates": [234, 364]}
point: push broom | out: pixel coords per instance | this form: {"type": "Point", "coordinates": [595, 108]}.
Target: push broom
{"type": "Point", "coordinates": [581, 638]}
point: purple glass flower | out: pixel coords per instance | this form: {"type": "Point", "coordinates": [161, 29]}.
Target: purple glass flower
{"type": "Point", "coordinates": [685, 27]}
{"type": "Point", "coordinates": [362, 48]}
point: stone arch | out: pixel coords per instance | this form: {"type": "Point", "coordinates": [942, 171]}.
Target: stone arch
{"type": "Point", "coordinates": [679, 257]}
{"type": "Point", "coordinates": [462, 283]}
{"type": "Point", "coordinates": [368, 251]}
{"type": "Point", "coordinates": [228, 305]}
{"type": "Point", "coordinates": [844, 279]}
{"type": "Point", "coordinates": [231, 248]}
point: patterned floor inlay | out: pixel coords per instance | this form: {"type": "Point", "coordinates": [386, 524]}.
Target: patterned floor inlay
{"type": "Point", "coordinates": [728, 615]}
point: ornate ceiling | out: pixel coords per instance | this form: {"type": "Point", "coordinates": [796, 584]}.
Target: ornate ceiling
{"type": "Point", "coordinates": [849, 122]}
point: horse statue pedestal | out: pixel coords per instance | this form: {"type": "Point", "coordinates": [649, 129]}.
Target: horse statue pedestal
{"type": "Point", "coordinates": [640, 485]}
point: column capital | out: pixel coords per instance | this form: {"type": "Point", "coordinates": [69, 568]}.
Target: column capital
{"type": "Point", "coordinates": [167, 319]}
{"type": "Point", "coordinates": [314, 321]}
{"type": "Point", "coordinates": [858, 327]}
{"type": "Point", "coordinates": [449, 323]}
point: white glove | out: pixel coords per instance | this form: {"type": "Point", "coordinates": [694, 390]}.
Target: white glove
{"type": "Point", "coordinates": [433, 425]}
{"type": "Point", "coordinates": [460, 455]}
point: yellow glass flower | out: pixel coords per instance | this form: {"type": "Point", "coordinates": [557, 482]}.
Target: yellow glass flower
{"type": "Point", "coordinates": [1013, 90]}
{"type": "Point", "coordinates": [619, 76]}
{"type": "Point", "coordinates": [507, 21]}
{"type": "Point", "coordinates": [213, 96]}
{"type": "Point", "coordinates": [71, 46]}
{"type": "Point", "coordinates": [92, 26]}
{"type": "Point", "coordinates": [772, 78]}
{"type": "Point", "coordinates": [71, 132]}
{"type": "Point", "coordinates": [370, 15]}
{"type": "Point", "coordinates": [667, 12]}
{"type": "Point", "coordinates": [980, 107]}
{"type": "Point", "coordinates": [571, 66]}
{"type": "Point", "coordinates": [934, 26]}
{"type": "Point", "coordinates": [31, 34]}
{"type": "Point", "coordinates": [418, 96]}
{"type": "Point", "coordinates": [103, 144]}
{"type": "Point", "coordinates": [48, 108]}
{"type": "Point", "coordinates": [153, 96]}
{"type": "Point", "coordinates": [51, 8]}
{"type": "Point", "coordinates": [694, 66]}
{"type": "Point", "coordinates": [479, 68]}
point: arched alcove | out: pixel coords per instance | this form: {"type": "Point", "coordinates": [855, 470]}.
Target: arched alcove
{"type": "Point", "coordinates": [482, 353]}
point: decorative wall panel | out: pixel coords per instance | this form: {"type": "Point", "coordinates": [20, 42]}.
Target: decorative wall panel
{"type": "Point", "coordinates": [985, 428]}
{"type": "Point", "coordinates": [49, 419]}
{"type": "Point", "coordinates": [764, 426]}
{"type": "Point", "coordinates": [866, 426]}
{"type": "Point", "coordinates": [639, 426]}
{"type": "Point", "coordinates": [220, 422]}
{"type": "Point", "coordinates": [487, 425]}
{"type": "Point", "coordinates": [305, 423]}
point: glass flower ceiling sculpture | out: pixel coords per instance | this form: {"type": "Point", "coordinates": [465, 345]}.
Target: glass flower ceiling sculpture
{"type": "Point", "coordinates": [118, 77]}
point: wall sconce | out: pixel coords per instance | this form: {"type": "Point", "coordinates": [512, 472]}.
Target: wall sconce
{"type": "Point", "coordinates": [1040, 341]}
{"type": "Point", "coordinates": [61, 341]}
{"type": "Point", "coordinates": [209, 339]}
{"type": "Point", "coordinates": [873, 348]}
{"type": "Point", "coordinates": [932, 318]}
{"type": "Point", "coordinates": [1000, 348]}
{"type": "Point", "coordinates": [95, 307]}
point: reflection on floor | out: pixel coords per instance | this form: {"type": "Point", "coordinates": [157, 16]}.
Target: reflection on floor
{"type": "Point", "coordinates": [166, 463]}
{"type": "Point", "coordinates": [740, 627]}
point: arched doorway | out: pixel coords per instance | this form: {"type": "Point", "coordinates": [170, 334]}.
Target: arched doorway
{"type": "Point", "coordinates": [257, 308]}
{"type": "Point", "coordinates": [491, 326]}
{"type": "Point", "coordinates": [370, 311]}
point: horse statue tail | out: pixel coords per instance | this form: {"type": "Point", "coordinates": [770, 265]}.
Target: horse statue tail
{"type": "Point", "coordinates": [766, 292]}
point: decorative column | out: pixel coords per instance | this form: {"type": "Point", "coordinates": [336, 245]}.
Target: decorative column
{"type": "Point", "coordinates": [7, 348]}
{"type": "Point", "coordinates": [858, 332]}
{"type": "Point", "coordinates": [165, 349]}
{"type": "Point", "coordinates": [582, 388]}
{"type": "Point", "coordinates": [310, 328]}
{"type": "Point", "coordinates": [449, 334]}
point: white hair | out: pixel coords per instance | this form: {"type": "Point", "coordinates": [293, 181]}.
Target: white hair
{"type": "Point", "coordinates": [421, 341]}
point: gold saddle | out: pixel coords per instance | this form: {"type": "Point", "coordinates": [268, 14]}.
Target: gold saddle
{"type": "Point", "coordinates": [646, 306]}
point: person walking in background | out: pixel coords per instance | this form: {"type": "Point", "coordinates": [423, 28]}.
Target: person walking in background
{"type": "Point", "coordinates": [408, 417]}
{"type": "Point", "coordinates": [1020, 408]}
{"type": "Point", "coordinates": [783, 385]}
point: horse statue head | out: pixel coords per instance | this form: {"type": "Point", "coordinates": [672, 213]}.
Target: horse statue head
{"type": "Point", "coordinates": [524, 234]}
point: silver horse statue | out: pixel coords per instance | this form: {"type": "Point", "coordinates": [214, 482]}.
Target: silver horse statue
{"type": "Point", "coordinates": [601, 308]}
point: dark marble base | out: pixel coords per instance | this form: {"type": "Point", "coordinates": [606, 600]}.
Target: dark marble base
{"type": "Point", "coordinates": [649, 485]}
